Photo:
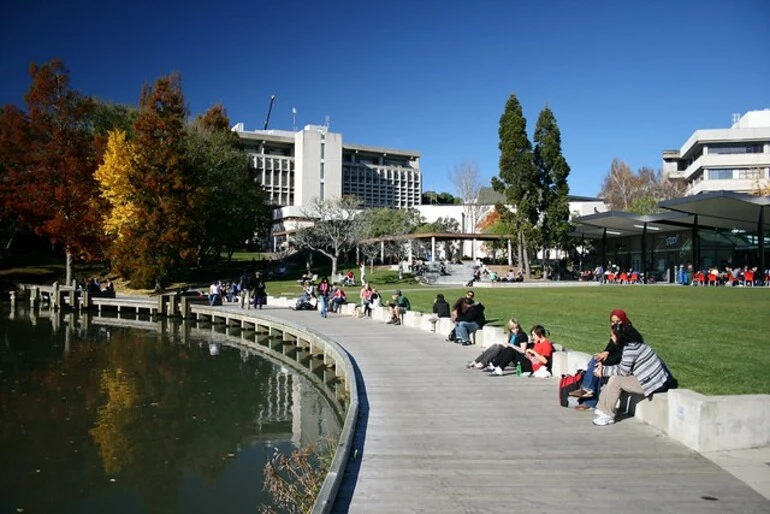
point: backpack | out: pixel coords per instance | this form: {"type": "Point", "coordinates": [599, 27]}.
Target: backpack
{"type": "Point", "coordinates": [567, 384]}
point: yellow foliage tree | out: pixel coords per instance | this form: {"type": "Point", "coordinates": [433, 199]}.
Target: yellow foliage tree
{"type": "Point", "coordinates": [110, 432]}
{"type": "Point", "coordinates": [114, 177]}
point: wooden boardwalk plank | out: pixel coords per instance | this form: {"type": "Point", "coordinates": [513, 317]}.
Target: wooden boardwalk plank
{"type": "Point", "coordinates": [436, 437]}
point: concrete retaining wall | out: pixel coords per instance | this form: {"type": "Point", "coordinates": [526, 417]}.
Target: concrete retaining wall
{"type": "Point", "coordinates": [703, 423]}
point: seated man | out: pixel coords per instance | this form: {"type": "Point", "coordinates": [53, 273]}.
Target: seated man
{"type": "Point", "coordinates": [469, 321]}
{"type": "Point", "coordinates": [398, 306]}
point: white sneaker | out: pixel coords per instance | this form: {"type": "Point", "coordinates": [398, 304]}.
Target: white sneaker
{"type": "Point", "coordinates": [542, 372]}
{"type": "Point", "coordinates": [498, 372]}
{"type": "Point", "coordinates": [490, 367]}
{"type": "Point", "coordinates": [603, 419]}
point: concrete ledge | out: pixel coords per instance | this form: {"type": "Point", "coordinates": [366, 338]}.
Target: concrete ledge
{"type": "Point", "coordinates": [652, 411]}
{"type": "Point", "coordinates": [715, 423]}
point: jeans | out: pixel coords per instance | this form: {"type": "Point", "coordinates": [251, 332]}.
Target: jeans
{"type": "Point", "coordinates": [464, 329]}
{"type": "Point", "coordinates": [592, 383]}
{"type": "Point", "coordinates": [322, 305]}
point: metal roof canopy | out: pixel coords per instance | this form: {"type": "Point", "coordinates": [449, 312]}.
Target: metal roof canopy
{"type": "Point", "coordinates": [718, 209]}
{"type": "Point", "coordinates": [723, 209]}
{"type": "Point", "coordinates": [619, 223]}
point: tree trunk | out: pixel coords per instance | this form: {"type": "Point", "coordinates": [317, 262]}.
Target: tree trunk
{"type": "Point", "coordinates": [525, 255]}
{"type": "Point", "coordinates": [334, 267]}
{"type": "Point", "coordinates": [545, 268]}
{"type": "Point", "coordinates": [68, 279]}
{"type": "Point", "coordinates": [519, 254]}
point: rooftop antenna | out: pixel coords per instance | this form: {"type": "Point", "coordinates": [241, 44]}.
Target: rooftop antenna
{"type": "Point", "coordinates": [736, 118]}
{"type": "Point", "coordinates": [327, 122]}
{"type": "Point", "coordinates": [294, 118]}
{"type": "Point", "coordinates": [269, 110]}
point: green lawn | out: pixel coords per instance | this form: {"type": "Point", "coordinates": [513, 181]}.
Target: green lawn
{"type": "Point", "coordinates": [715, 340]}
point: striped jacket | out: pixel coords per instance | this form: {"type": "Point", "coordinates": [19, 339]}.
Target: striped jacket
{"type": "Point", "coordinates": [642, 362]}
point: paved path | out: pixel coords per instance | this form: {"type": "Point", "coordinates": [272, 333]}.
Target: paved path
{"type": "Point", "coordinates": [436, 437]}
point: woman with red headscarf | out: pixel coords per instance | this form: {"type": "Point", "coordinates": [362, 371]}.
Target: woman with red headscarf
{"type": "Point", "coordinates": [640, 370]}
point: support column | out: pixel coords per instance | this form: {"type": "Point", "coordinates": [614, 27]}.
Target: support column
{"type": "Point", "coordinates": [473, 249]}
{"type": "Point", "coordinates": [604, 249]}
{"type": "Point", "coordinates": [510, 256]}
{"type": "Point", "coordinates": [761, 240]}
{"type": "Point", "coordinates": [382, 252]}
{"type": "Point", "coordinates": [695, 246]}
{"type": "Point", "coordinates": [432, 248]}
{"type": "Point", "coordinates": [644, 252]}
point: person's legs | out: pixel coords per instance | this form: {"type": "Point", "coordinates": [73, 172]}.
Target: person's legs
{"type": "Point", "coordinates": [611, 393]}
{"type": "Point", "coordinates": [461, 331]}
{"type": "Point", "coordinates": [322, 305]}
{"type": "Point", "coordinates": [489, 354]}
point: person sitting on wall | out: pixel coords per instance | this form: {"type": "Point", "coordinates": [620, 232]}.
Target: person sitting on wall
{"type": "Point", "coordinates": [398, 306]}
{"type": "Point", "coordinates": [338, 298]}
{"type": "Point", "coordinates": [640, 370]}
{"type": "Point", "coordinates": [442, 269]}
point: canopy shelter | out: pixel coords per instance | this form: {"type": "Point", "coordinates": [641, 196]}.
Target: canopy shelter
{"type": "Point", "coordinates": [725, 209]}
{"type": "Point", "coordinates": [433, 237]}
{"type": "Point", "coordinates": [719, 210]}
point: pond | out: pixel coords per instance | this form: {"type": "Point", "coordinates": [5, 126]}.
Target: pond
{"type": "Point", "coordinates": [98, 418]}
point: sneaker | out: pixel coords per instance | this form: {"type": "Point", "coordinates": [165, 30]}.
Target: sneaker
{"type": "Point", "coordinates": [471, 364]}
{"type": "Point", "coordinates": [391, 322]}
{"type": "Point", "coordinates": [458, 341]}
{"type": "Point", "coordinates": [467, 343]}
{"type": "Point", "coordinates": [396, 322]}
{"type": "Point", "coordinates": [498, 372]}
{"type": "Point", "coordinates": [603, 419]}
{"type": "Point", "coordinates": [582, 393]}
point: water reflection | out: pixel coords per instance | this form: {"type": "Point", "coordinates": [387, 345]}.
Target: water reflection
{"type": "Point", "coordinates": [98, 416]}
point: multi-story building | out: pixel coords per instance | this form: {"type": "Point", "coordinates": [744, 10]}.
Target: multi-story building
{"type": "Point", "coordinates": [296, 168]}
{"type": "Point", "coordinates": [733, 159]}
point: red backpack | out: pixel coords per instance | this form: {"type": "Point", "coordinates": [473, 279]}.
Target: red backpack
{"type": "Point", "coordinates": [567, 384]}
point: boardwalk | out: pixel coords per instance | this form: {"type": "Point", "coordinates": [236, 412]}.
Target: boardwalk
{"type": "Point", "coordinates": [434, 436]}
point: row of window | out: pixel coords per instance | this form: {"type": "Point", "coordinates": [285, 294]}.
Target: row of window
{"type": "Point", "coordinates": [737, 174]}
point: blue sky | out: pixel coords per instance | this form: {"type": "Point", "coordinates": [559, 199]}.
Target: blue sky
{"type": "Point", "coordinates": [624, 79]}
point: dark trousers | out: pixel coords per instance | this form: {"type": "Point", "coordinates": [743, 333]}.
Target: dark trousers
{"type": "Point", "coordinates": [508, 356]}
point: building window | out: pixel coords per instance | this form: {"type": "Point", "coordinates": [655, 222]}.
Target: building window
{"type": "Point", "coordinates": [750, 174]}
{"type": "Point", "coordinates": [720, 174]}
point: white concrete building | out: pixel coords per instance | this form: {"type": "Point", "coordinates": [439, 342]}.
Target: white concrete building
{"type": "Point", "coordinates": [733, 159]}
{"type": "Point", "coordinates": [297, 167]}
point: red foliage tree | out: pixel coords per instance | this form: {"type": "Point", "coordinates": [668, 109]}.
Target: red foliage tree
{"type": "Point", "coordinates": [166, 191]}
{"type": "Point", "coordinates": [48, 160]}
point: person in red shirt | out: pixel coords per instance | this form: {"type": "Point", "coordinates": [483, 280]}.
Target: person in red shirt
{"type": "Point", "coordinates": [532, 360]}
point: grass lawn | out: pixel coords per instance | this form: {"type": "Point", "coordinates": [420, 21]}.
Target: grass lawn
{"type": "Point", "coordinates": [715, 340]}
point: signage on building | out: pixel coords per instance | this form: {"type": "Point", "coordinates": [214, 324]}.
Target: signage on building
{"type": "Point", "coordinates": [672, 240]}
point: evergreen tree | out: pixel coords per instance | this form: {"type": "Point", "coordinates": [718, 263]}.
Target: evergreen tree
{"type": "Point", "coordinates": [236, 208]}
{"type": "Point", "coordinates": [517, 181]}
{"type": "Point", "coordinates": [553, 172]}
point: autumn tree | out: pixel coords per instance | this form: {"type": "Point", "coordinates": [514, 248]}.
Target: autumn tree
{"type": "Point", "coordinates": [465, 179]}
{"type": "Point", "coordinates": [114, 176]}
{"type": "Point", "coordinates": [518, 177]}
{"type": "Point", "coordinates": [166, 195]}
{"type": "Point", "coordinates": [335, 229]}
{"type": "Point", "coordinates": [553, 172]}
{"type": "Point", "coordinates": [48, 160]}
{"type": "Point", "coordinates": [235, 208]}
{"type": "Point", "coordinates": [639, 192]}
